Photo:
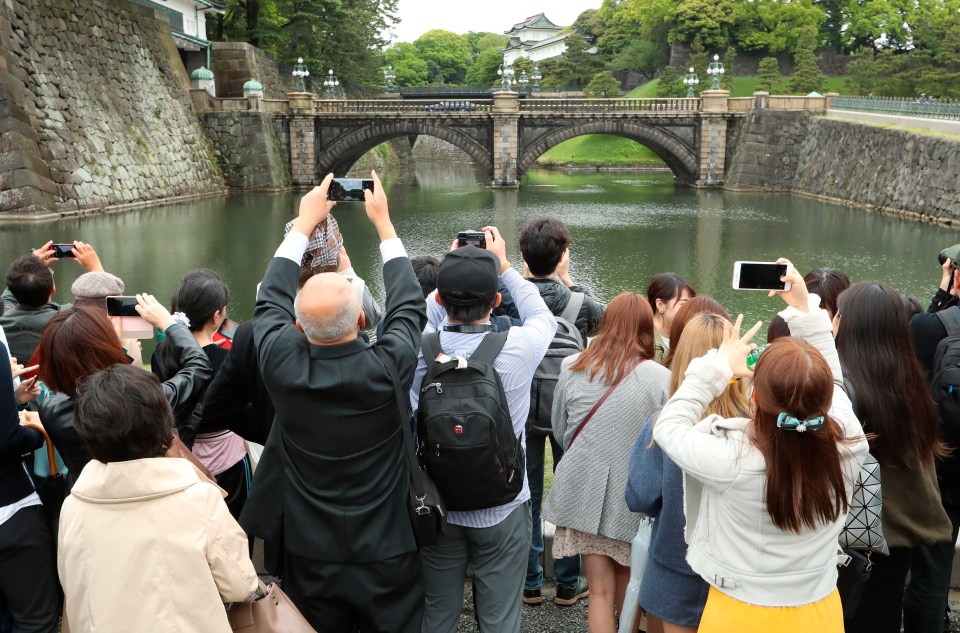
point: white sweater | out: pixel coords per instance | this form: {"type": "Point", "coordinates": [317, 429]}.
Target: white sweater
{"type": "Point", "coordinates": [734, 544]}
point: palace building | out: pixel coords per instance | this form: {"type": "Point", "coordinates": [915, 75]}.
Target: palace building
{"type": "Point", "coordinates": [188, 25]}
{"type": "Point", "coordinates": [537, 38]}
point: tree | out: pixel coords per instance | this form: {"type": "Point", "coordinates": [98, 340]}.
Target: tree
{"type": "Point", "coordinates": [769, 72]}
{"type": "Point", "coordinates": [643, 56]}
{"type": "Point", "coordinates": [522, 64]}
{"type": "Point", "coordinates": [726, 79]}
{"type": "Point", "coordinates": [447, 54]}
{"type": "Point", "coordinates": [483, 72]}
{"type": "Point", "coordinates": [589, 24]}
{"type": "Point", "coordinates": [603, 84]}
{"type": "Point", "coordinates": [576, 65]}
{"type": "Point", "coordinates": [774, 25]}
{"type": "Point", "coordinates": [670, 84]}
{"type": "Point", "coordinates": [550, 69]}
{"type": "Point", "coordinates": [807, 76]}
{"type": "Point", "coordinates": [710, 20]}
{"type": "Point", "coordinates": [699, 59]}
{"type": "Point", "coordinates": [480, 41]}
{"type": "Point", "coordinates": [411, 71]}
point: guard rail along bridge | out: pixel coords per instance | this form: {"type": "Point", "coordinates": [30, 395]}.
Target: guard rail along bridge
{"type": "Point", "coordinates": [505, 134]}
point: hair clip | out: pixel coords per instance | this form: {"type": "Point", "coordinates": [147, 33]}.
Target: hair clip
{"type": "Point", "coordinates": [787, 422]}
{"type": "Point", "coordinates": [182, 319]}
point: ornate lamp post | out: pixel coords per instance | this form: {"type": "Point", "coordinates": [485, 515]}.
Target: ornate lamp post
{"type": "Point", "coordinates": [507, 74]}
{"type": "Point", "coordinates": [300, 72]}
{"type": "Point", "coordinates": [523, 81]}
{"type": "Point", "coordinates": [691, 80]}
{"type": "Point", "coordinates": [388, 77]}
{"type": "Point", "coordinates": [330, 83]}
{"type": "Point", "coordinates": [536, 76]}
{"type": "Point", "coordinates": [715, 68]}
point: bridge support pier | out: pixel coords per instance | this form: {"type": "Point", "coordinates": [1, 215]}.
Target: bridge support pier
{"type": "Point", "coordinates": [713, 138]}
{"type": "Point", "coordinates": [303, 159]}
{"type": "Point", "coordinates": [506, 140]}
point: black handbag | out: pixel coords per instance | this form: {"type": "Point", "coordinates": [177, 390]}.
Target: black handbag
{"type": "Point", "coordinates": [852, 577]}
{"type": "Point", "coordinates": [428, 513]}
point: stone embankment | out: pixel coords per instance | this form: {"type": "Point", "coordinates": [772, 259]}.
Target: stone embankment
{"type": "Point", "coordinates": [94, 110]}
{"type": "Point", "coordinates": [889, 170]}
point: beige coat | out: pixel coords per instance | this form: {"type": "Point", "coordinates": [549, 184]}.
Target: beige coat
{"type": "Point", "coordinates": [147, 546]}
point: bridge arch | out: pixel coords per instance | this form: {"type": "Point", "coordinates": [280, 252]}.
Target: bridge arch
{"type": "Point", "coordinates": [679, 157]}
{"type": "Point", "coordinates": [346, 150]}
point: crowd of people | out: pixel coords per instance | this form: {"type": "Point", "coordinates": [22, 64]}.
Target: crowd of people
{"type": "Point", "coordinates": [338, 431]}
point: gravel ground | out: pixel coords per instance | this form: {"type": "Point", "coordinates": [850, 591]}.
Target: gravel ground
{"type": "Point", "coordinates": [545, 618]}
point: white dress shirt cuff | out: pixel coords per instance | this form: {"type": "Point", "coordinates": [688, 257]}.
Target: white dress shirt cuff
{"type": "Point", "coordinates": [293, 247]}
{"type": "Point", "coordinates": [392, 249]}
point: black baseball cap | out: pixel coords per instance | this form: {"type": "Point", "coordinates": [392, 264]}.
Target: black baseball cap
{"type": "Point", "coordinates": [472, 273]}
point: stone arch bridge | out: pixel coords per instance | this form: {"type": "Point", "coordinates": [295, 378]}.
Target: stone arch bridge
{"type": "Point", "coordinates": [505, 135]}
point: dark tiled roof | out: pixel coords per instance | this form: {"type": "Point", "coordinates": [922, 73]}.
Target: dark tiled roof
{"type": "Point", "coordinates": [538, 21]}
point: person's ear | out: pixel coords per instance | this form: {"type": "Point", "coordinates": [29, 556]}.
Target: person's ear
{"type": "Point", "coordinates": [660, 306]}
{"type": "Point", "coordinates": [437, 297]}
{"type": "Point", "coordinates": [54, 290]}
{"type": "Point", "coordinates": [753, 396]}
{"type": "Point", "coordinates": [299, 327]}
{"type": "Point", "coordinates": [497, 301]}
{"type": "Point", "coordinates": [956, 281]}
{"type": "Point", "coordinates": [362, 321]}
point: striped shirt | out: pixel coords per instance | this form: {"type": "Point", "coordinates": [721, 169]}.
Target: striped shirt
{"type": "Point", "coordinates": [515, 365]}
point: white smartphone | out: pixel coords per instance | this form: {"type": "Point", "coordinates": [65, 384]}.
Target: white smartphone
{"type": "Point", "coordinates": [760, 276]}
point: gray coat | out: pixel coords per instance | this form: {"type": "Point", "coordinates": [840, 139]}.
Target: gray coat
{"type": "Point", "coordinates": [588, 487]}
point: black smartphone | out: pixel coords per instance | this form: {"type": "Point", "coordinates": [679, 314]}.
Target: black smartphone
{"type": "Point", "coordinates": [63, 250]}
{"type": "Point", "coordinates": [760, 276]}
{"type": "Point", "coordinates": [348, 189]}
{"type": "Point", "coordinates": [122, 306]}
{"type": "Point", "coordinates": [474, 238]}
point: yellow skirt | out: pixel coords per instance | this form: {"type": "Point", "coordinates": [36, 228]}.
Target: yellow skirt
{"type": "Point", "coordinates": [723, 614]}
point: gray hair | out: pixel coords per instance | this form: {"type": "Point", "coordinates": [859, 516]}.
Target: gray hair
{"type": "Point", "coordinates": [331, 327]}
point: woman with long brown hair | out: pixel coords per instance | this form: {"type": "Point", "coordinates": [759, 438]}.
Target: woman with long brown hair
{"type": "Point", "coordinates": [767, 495]}
{"type": "Point", "coordinates": [873, 340]}
{"type": "Point", "coordinates": [672, 594]}
{"type": "Point", "coordinates": [603, 396]}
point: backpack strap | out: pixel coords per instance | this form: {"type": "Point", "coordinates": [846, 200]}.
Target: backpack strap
{"type": "Point", "coordinates": [489, 347]}
{"type": "Point", "coordinates": [951, 320]}
{"type": "Point", "coordinates": [572, 311]}
{"type": "Point", "coordinates": [431, 348]}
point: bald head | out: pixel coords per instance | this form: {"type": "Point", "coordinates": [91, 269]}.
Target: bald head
{"type": "Point", "coordinates": [328, 309]}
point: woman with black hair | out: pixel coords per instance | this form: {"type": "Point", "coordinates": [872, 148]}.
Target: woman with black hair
{"type": "Point", "coordinates": [900, 419]}
{"type": "Point", "coordinates": [201, 304]}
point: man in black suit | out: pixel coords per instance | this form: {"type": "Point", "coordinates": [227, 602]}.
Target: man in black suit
{"type": "Point", "coordinates": [332, 485]}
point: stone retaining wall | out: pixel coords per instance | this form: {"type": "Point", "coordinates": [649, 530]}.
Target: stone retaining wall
{"type": "Point", "coordinates": [94, 110]}
{"type": "Point", "coordinates": [235, 63]}
{"type": "Point", "coordinates": [879, 168]}
{"type": "Point", "coordinates": [431, 148]}
{"type": "Point", "coordinates": [249, 150]}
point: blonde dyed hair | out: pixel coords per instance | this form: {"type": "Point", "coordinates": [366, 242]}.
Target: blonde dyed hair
{"type": "Point", "coordinates": [703, 333]}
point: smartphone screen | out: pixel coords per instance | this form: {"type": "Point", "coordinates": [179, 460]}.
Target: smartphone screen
{"type": "Point", "coordinates": [759, 276]}
{"type": "Point", "coordinates": [348, 189]}
{"type": "Point", "coordinates": [63, 250]}
{"type": "Point", "coordinates": [122, 306]}
{"type": "Point", "coordinates": [474, 238]}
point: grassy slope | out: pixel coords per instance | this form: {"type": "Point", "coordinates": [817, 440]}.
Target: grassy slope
{"type": "Point", "coordinates": [601, 149]}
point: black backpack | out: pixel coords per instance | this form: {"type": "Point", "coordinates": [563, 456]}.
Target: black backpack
{"type": "Point", "coordinates": [464, 429]}
{"type": "Point", "coordinates": [945, 381]}
{"type": "Point", "coordinates": [566, 342]}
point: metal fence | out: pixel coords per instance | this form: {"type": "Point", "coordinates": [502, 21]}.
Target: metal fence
{"type": "Point", "coordinates": [923, 107]}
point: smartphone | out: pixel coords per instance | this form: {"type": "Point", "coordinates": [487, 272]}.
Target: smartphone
{"type": "Point", "coordinates": [123, 314]}
{"type": "Point", "coordinates": [760, 276]}
{"type": "Point", "coordinates": [348, 189]}
{"type": "Point", "coordinates": [474, 238]}
{"type": "Point", "coordinates": [63, 250]}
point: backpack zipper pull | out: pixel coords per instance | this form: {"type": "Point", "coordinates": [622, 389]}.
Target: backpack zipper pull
{"type": "Point", "coordinates": [438, 450]}
{"type": "Point", "coordinates": [432, 384]}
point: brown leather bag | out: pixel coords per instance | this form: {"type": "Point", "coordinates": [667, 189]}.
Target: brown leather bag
{"type": "Point", "coordinates": [271, 612]}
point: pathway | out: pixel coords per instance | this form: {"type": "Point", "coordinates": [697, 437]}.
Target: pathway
{"type": "Point", "coordinates": [942, 126]}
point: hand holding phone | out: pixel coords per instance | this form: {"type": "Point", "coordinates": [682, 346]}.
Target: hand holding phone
{"type": "Point", "coordinates": [761, 275]}
{"type": "Point", "coordinates": [473, 238]}
{"type": "Point", "coordinates": [349, 189]}
{"type": "Point", "coordinates": [123, 313]}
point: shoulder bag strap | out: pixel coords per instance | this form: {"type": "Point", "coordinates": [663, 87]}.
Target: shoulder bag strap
{"type": "Point", "coordinates": [489, 347]}
{"type": "Point", "coordinates": [51, 454]}
{"type": "Point", "coordinates": [404, 419]}
{"type": "Point", "coordinates": [951, 320]}
{"type": "Point", "coordinates": [602, 399]}
{"type": "Point", "coordinates": [572, 311]}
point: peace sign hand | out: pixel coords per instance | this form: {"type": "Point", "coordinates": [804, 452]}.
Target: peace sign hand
{"type": "Point", "coordinates": [735, 348]}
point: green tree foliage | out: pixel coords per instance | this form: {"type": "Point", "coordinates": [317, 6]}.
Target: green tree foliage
{"type": "Point", "coordinates": [550, 69]}
{"type": "Point", "coordinates": [769, 72]}
{"type": "Point", "coordinates": [589, 24]}
{"type": "Point", "coordinates": [643, 56]}
{"type": "Point", "coordinates": [447, 54]}
{"type": "Point", "coordinates": [483, 72]}
{"type": "Point", "coordinates": [699, 60]}
{"type": "Point", "coordinates": [410, 69]}
{"type": "Point", "coordinates": [807, 76]}
{"type": "Point", "coordinates": [481, 41]}
{"type": "Point", "coordinates": [710, 20]}
{"type": "Point", "coordinates": [670, 84]}
{"type": "Point", "coordinates": [522, 64]}
{"type": "Point", "coordinates": [603, 84]}
{"type": "Point", "coordinates": [774, 25]}
{"type": "Point", "coordinates": [729, 59]}
{"type": "Point", "coordinates": [576, 66]}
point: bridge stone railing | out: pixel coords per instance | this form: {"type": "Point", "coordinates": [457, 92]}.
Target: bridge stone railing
{"type": "Point", "coordinates": [393, 106]}
{"type": "Point", "coordinates": [568, 106]}
{"type": "Point", "coordinates": [927, 108]}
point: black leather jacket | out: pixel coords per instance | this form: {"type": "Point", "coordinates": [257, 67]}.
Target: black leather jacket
{"type": "Point", "coordinates": [556, 296]}
{"type": "Point", "coordinates": [56, 412]}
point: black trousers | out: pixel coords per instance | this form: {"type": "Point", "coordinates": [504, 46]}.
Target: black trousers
{"type": "Point", "coordinates": [235, 481]}
{"type": "Point", "coordinates": [28, 572]}
{"type": "Point", "coordinates": [881, 606]}
{"type": "Point", "coordinates": [382, 597]}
